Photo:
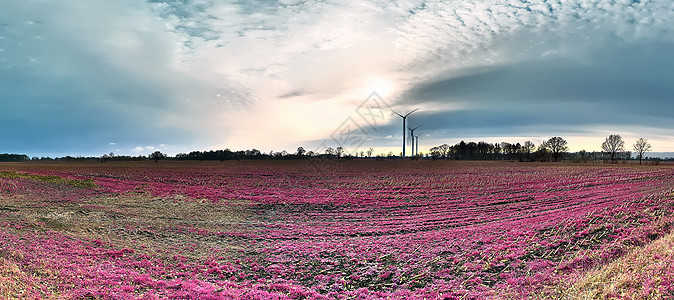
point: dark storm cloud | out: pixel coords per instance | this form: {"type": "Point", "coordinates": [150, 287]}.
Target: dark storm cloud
{"type": "Point", "coordinates": [618, 85]}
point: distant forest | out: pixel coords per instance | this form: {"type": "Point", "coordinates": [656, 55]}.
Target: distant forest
{"type": "Point", "coordinates": [518, 152]}
{"type": "Point", "coordinates": [13, 157]}
{"type": "Point", "coordinates": [547, 151]}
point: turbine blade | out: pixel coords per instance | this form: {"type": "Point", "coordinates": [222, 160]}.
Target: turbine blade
{"type": "Point", "coordinates": [411, 112]}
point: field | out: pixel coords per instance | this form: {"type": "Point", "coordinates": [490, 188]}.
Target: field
{"type": "Point", "coordinates": [353, 230]}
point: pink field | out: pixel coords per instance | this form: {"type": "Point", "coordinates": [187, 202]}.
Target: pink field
{"type": "Point", "coordinates": [284, 230]}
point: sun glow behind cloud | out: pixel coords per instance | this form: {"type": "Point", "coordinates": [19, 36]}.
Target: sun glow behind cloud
{"type": "Point", "coordinates": [381, 86]}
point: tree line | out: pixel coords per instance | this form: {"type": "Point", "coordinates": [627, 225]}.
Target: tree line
{"type": "Point", "coordinates": [554, 149]}
{"type": "Point", "coordinates": [300, 153]}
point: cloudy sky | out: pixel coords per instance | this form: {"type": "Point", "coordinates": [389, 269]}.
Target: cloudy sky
{"type": "Point", "coordinates": [88, 77]}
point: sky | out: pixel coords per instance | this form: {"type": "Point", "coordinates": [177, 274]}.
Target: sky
{"type": "Point", "coordinates": [89, 77]}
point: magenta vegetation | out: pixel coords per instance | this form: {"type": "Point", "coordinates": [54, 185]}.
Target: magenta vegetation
{"type": "Point", "coordinates": [369, 230]}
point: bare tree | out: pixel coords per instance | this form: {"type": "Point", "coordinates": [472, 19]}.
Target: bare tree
{"type": "Point", "coordinates": [369, 152]}
{"type": "Point", "coordinates": [435, 152]}
{"type": "Point", "coordinates": [444, 150]}
{"type": "Point", "coordinates": [557, 147]}
{"type": "Point", "coordinates": [641, 147]}
{"type": "Point", "coordinates": [529, 147]}
{"type": "Point", "coordinates": [339, 151]}
{"type": "Point", "coordinates": [330, 151]}
{"type": "Point", "coordinates": [300, 151]}
{"type": "Point", "coordinates": [613, 145]}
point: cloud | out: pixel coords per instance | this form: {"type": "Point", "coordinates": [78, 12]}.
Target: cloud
{"type": "Point", "coordinates": [460, 34]}
{"type": "Point", "coordinates": [617, 74]}
{"type": "Point", "coordinates": [533, 69]}
{"type": "Point", "coordinates": [621, 89]}
{"type": "Point", "coordinates": [292, 94]}
{"type": "Point", "coordinates": [207, 74]}
{"type": "Point", "coordinates": [92, 71]}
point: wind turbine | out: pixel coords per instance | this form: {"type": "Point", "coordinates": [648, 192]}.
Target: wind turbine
{"type": "Point", "coordinates": [412, 134]}
{"type": "Point", "coordinates": [404, 127]}
{"type": "Point", "coordinates": [417, 137]}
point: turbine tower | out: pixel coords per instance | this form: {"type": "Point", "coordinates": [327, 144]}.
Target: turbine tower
{"type": "Point", "coordinates": [404, 127]}
{"type": "Point", "coordinates": [412, 135]}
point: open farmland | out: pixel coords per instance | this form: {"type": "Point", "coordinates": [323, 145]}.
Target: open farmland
{"type": "Point", "coordinates": [364, 230]}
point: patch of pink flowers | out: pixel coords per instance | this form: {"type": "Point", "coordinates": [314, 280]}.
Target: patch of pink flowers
{"type": "Point", "coordinates": [425, 230]}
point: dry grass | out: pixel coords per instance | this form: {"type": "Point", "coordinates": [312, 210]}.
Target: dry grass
{"type": "Point", "coordinates": [12, 279]}
{"type": "Point", "coordinates": [643, 273]}
{"type": "Point", "coordinates": [87, 183]}
{"type": "Point", "coordinates": [172, 225]}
